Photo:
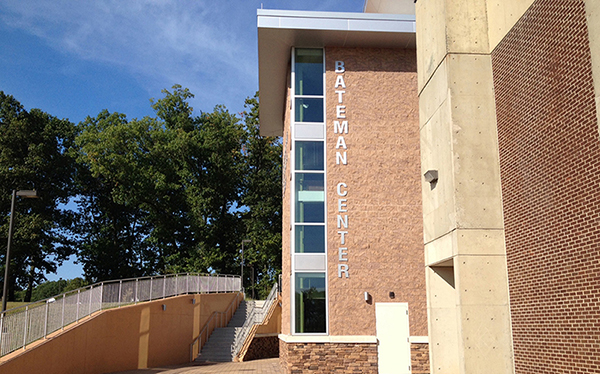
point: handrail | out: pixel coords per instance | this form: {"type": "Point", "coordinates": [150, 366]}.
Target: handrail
{"type": "Point", "coordinates": [198, 339]}
{"type": "Point", "coordinates": [23, 325]}
{"type": "Point", "coordinates": [257, 317]}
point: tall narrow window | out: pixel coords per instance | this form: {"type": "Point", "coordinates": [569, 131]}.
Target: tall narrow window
{"type": "Point", "coordinates": [309, 234]}
{"type": "Point", "coordinates": [310, 302]}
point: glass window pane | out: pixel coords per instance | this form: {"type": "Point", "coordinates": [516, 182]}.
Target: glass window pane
{"type": "Point", "coordinates": [309, 110]}
{"type": "Point", "coordinates": [310, 198]}
{"type": "Point", "coordinates": [309, 155]}
{"type": "Point", "coordinates": [310, 239]}
{"type": "Point", "coordinates": [310, 302]}
{"type": "Point", "coordinates": [309, 72]}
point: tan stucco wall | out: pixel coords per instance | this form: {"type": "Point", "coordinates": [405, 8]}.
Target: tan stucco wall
{"type": "Point", "coordinates": [128, 338]}
{"type": "Point", "coordinates": [390, 6]}
{"type": "Point", "coordinates": [384, 240]}
{"type": "Point", "coordinates": [273, 324]}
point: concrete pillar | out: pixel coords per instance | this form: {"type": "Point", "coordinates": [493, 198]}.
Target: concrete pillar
{"type": "Point", "coordinates": [467, 287]}
{"type": "Point", "coordinates": [592, 10]}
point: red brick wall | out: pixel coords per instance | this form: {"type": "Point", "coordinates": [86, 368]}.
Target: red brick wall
{"type": "Point", "coordinates": [550, 170]}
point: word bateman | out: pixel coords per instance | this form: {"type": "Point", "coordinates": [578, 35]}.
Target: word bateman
{"type": "Point", "coordinates": [340, 127]}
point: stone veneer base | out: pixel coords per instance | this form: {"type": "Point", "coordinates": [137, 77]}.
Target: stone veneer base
{"type": "Point", "coordinates": [298, 358]}
{"type": "Point", "coordinates": [335, 357]}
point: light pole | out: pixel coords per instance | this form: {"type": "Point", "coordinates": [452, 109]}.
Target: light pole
{"type": "Point", "coordinates": [242, 272]}
{"type": "Point", "coordinates": [23, 193]}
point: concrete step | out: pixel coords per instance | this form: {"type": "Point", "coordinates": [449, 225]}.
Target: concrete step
{"type": "Point", "coordinates": [219, 347]}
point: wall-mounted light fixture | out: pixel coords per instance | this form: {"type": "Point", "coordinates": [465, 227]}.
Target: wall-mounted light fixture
{"type": "Point", "coordinates": [431, 176]}
{"type": "Point", "coordinates": [164, 307]}
{"type": "Point", "coordinates": [194, 301]}
{"type": "Point", "coordinates": [368, 298]}
{"type": "Point", "coordinates": [392, 295]}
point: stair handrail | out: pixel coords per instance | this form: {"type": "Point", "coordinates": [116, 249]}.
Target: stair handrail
{"type": "Point", "coordinates": [198, 339]}
{"type": "Point", "coordinates": [25, 324]}
{"type": "Point", "coordinates": [256, 317]}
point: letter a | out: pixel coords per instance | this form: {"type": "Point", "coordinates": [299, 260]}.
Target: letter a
{"type": "Point", "coordinates": [339, 81]}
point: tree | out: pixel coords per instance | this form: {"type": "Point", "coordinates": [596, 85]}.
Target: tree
{"type": "Point", "coordinates": [158, 192]}
{"type": "Point", "coordinates": [35, 153]}
{"type": "Point", "coordinates": [262, 195]}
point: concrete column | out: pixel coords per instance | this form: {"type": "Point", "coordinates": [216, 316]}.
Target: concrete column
{"type": "Point", "coordinates": [592, 10]}
{"type": "Point", "coordinates": [467, 287]}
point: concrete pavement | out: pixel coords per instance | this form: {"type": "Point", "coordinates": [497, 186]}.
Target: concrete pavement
{"type": "Point", "coordinates": [266, 366]}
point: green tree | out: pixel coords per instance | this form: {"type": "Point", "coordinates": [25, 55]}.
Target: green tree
{"type": "Point", "coordinates": [159, 192]}
{"type": "Point", "coordinates": [262, 197]}
{"type": "Point", "coordinates": [114, 175]}
{"type": "Point", "coordinates": [35, 154]}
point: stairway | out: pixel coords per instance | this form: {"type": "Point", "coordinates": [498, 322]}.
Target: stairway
{"type": "Point", "coordinates": [220, 344]}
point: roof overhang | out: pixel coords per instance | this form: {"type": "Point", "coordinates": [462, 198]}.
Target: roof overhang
{"type": "Point", "coordinates": [279, 31]}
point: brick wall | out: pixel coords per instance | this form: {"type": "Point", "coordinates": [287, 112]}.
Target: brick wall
{"type": "Point", "coordinates": [262, 347]}
{"type": "Point", "coordinates": [419, 357]}
{"type": "Point", "coordinates": [286, 262]}
{"type": "Point", "coordinates": [385, 233]}
{"type": "Point", "coordinates": [550, 168]}
{"type": "Point", "coordinates": [298, 358]}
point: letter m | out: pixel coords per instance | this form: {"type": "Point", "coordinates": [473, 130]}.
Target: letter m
{"type": "Point", "coordinates": [340, 128]}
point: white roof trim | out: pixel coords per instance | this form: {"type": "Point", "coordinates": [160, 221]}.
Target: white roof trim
{"type": "Point", "coordinates": [279, 30]}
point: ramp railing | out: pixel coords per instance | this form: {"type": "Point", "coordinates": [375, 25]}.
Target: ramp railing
{"type": "Point", "coordinates": [256, 317]}
{"type": "Point", "coordinates": [28, 323]}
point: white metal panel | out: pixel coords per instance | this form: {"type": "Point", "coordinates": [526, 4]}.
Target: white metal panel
{"type": "Point", "coordinates": [309, 131]}
{"type": "Point", "coordinates": [393, 334]}
{"type": "Point", "coordinates": [309, 262]}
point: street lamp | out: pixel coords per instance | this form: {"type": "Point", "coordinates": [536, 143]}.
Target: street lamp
{"type": "Point", "coordinates": [31, 194]}
{"type": "Point", "coordinates": [242, 273]}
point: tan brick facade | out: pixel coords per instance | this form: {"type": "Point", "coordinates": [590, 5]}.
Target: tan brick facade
{"type": "Point", "coordinates": [286, 262]}
{"type": "Point", "coordinates": [550, 167]}
{"type": "Point", "coordinates": [385, 242]}
{"type": "Point", "coordinates": [385, 245]}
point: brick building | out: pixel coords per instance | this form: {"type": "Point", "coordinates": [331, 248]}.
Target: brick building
{"type": "Point", "coordinates": [342, 91]}
{"type": "Point", "coordinates": [487, 203]}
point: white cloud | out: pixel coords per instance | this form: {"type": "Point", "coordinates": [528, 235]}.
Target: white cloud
{"type": "Point", "coordinates": [208, 46]}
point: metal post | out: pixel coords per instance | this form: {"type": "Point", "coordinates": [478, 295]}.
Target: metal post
{"type": "Point", "coordinates": [120, 286]}
{"type": "Point", "coordinates": [101, 294]}
{"type": "Point", "coordinates": [10, 230]}
{"type": "Point", "coordinates": [150, 288]}
{"type": "Point", "coordinates": [136, 291]}
{"type": "Point", "coordinates": [46, 321]}
{"type": "Point", "coordinates": [25, 328]}
{"type": "Point", "coordinates": [90, 303]}
{"type": "Point", "coordinates": [187, 282]}
{"type": "Point", "coordinates": [176, 284]}
{"type": "Point", "coordinates": [62, 322]}
{"type": "Point", "coordinates": [77, 315]}
{"type": "Point", "coordinates": [1, 333]}
{"type": "Point", "coordinates": [164, 285]}
{"type": "Point", "coordinates": [252, 282]}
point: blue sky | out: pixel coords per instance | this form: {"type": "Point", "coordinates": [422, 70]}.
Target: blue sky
{"type": "Point", "coordinates": [75, 58]}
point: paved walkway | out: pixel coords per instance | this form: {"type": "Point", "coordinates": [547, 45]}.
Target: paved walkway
{"type": "Point", "coordinates": [266, 366]}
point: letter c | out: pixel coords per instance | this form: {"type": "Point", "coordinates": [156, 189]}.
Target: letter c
{"type": "Point", "coordinates": [339, 189]}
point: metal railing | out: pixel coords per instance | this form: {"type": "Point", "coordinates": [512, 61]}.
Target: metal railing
{"type": "Point", "coordinates": [257, 316]}
{"type": "Point", "coordinates": [24, 325]}
{"type": "Point", "coordinates": [216, 320]}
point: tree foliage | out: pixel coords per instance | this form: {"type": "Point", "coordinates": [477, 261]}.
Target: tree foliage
{"type": "Point", "coordinates": [34, 154]}
{"type": "Point", "coordinates": [177, 192]}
